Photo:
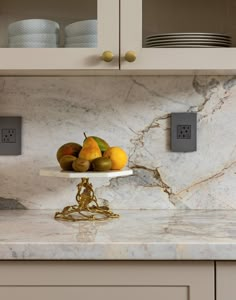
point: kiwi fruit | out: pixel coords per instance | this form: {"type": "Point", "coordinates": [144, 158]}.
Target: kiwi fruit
{"type": "Point", "coordinates": [81, 165]}
{"type": "Point", "coordinates": [102, 164]}
{"type": "Point", "coordinates": [66, 162]}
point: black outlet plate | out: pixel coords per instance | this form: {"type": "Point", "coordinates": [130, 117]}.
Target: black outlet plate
{"type": "Point", "coordinates": [183, 132]}
{"type": "Point", "coordinates": [10, 131]}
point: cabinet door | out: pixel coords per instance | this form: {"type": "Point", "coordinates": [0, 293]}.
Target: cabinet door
{"type": "Point", "coordinates": [83, 50]}
{"type": "Point", "coordinates": [142, 18]}
{"type": "Point", "coordinates": [225, 280]}
{"type": "Point", "coordinates": [108, 280]}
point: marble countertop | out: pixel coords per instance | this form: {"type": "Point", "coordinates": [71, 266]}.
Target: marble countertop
{"type": "Point", "coordinates": [138, 234]}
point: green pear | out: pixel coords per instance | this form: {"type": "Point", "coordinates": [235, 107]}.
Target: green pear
{"type": "Point", "coordinates": [102, 144]}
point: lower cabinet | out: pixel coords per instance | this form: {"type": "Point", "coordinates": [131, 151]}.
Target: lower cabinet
{"type": "Point", "coordinates": [103, 280]}
{"type": "Point", "coordinates": [226, 280]}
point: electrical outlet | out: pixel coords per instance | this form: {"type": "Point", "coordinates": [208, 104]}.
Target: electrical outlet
{"type": "Point", "coordinates": [9, 135]}
{"type": "Point", "coordinates": [10, 130]}
{"type": "Point", "coordinates": [183, 132]}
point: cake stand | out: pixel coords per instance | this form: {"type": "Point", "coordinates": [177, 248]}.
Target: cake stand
{"type": "Point", "coordinates": [87, 207]}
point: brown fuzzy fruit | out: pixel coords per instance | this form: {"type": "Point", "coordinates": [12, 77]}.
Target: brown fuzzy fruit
{"type": "Point", "coordinates": [102, 164]}
{"type": "Point", "coordinates": [81, 165]}
{"type": "Point", "coordinates": [68, 149]}
{"type": "Point", "coordinates": [66, 162]}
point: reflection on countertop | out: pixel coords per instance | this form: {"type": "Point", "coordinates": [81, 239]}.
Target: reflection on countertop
{"type": "Point", "coordinates": [138, 234]}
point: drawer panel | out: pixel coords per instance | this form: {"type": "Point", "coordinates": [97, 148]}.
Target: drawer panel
{"type": "Point", "coordinates": [98, 293]}
{"type": "Point", "coordinates": [110, 279]}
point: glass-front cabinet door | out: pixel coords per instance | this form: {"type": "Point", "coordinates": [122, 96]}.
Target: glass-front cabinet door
{"type": "Point", "coordinates": [183, 35]}
{"type": "Point", "coordinates": [56, 36]}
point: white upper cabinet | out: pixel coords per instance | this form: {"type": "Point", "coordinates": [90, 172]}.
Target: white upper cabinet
{"type": "Point", "coordinates": [121, 30]}
{"type": "Point", "coordinates": [62, 60]}
{"type": "Point", "coordinates": [141, 18]}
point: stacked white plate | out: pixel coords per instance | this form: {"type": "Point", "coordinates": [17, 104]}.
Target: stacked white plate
{"type": "Point", "coordinates": [33, 33]}
{"type": "Point", "coordinates": [188, 40]}
{"type": "Point", "coordinates": [82, 34]}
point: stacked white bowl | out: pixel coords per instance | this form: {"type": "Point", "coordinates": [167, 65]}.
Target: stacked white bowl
{"type": "Point", "coordinates": [82, 34]}
{"type": "Point", "coordinates": [33, 33]}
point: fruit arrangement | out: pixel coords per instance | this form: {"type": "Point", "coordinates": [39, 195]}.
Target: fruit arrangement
{"type": "Point", "coordinates": [95, 155]}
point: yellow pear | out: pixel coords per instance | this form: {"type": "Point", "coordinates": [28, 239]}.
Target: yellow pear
{"type": "Point", "coordinates": [90, 150]}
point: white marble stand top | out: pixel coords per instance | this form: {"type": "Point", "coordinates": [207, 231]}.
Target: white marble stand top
{"type": "Point", "coordinates": [57, 172]}
{"type": "Point", "coordinates": [147, 235]}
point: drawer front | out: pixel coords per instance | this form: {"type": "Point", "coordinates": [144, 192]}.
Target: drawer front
{"type": "Point", "coordinates": [108, 279]}
{"type": "Point", "coordinates": [99, 293]}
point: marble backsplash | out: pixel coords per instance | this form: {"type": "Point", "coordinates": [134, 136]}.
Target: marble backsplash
{"type": "Point", "coordinates": [132, 112]}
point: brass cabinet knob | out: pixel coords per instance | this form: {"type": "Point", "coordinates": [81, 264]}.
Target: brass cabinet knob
{"type": "Point", "coordinates": [107, 56]}
{"type": "Point", "coordinates": [130, 56]}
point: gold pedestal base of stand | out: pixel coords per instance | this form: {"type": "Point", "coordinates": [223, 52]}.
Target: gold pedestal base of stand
{"type": "Point", "coordinates": [87, 208]}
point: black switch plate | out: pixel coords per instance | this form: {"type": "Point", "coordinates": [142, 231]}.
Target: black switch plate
{"type": "Point", "coordinates": [183, 132]}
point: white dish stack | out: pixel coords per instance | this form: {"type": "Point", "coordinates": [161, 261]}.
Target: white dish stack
{"type": "Point", "coordinates": [33, 33]}
{"type": "Point", "coordinates": [82, 34]}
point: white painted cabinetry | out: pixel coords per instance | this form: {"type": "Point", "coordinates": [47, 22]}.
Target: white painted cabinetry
{"type": "Point", "coordinates": [140, 18]}
{"type": "Point", "coordinates": [60, 60]}
{"type": "Point", "coordinates": [122, 28]}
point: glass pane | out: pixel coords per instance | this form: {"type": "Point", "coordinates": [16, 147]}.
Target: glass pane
{"type": "Point", "coordinates": [48, 24]}
{"type": "Point", "coordinates": [189, 16]}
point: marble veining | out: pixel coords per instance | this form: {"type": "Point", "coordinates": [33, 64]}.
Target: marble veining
{"type": "Point", "coordinates": [158, 234]}
{"type": "Point", "coordinates": [134, 113]}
